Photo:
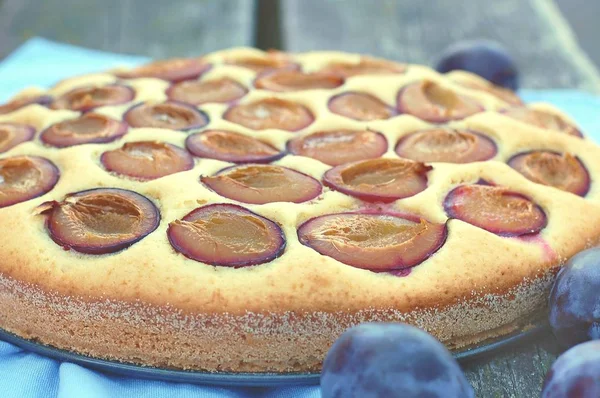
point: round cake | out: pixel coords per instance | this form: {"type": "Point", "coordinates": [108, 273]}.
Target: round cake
{"type": "Point", "coordinates": [238, 211]}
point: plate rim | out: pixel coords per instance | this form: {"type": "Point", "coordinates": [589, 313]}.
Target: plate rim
{"type": "Point", "coordinates": [228, 379]}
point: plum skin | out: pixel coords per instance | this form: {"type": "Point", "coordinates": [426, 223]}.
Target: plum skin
{"type": "Point", "coordinates": [485, 58]}
{"type": "Point", "coordinates": [391, 360]}
{"type": "Point", "coordinates": [574, 302]}
{"type": "Point", "coordinates": [575, 374]}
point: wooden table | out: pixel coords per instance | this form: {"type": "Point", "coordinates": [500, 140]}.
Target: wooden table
{"type": "Point", "coordinates": [406, 30]}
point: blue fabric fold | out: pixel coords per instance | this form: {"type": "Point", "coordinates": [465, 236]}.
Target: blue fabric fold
{"type": "Point", "coordinates": [23, 374]}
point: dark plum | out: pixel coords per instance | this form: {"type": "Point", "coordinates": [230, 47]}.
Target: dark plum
{"type": "Point", "coordinates": [485, 58]}
{"type": "Point", "coordinates": [378, 180]}
{"type": "Point", "coordinates": [13, 134]}
{"type": "Point", "coordinates": [504, 94]}
{"type": "Point", "coordinates": [294, 80]}
{"type": "Point", "coordinates": [261, 183]}
{"type": "Point", "coordinates": [365, 66]}
{"type": "Point", "coordinates": [202, 92]}
{"type": "Point", "coordinates": [495, 209]}
{"type": "Point", "coordinates": [446, 145]}
{"type": "Point", "coordinates": [231, 147]}
{"type": "Point", "coordinates": [575, 374]}
{"type": "Point", "coordinates": [377, 360]}
{"type": "Point", "coordinates": [100, 221]}
{"type": "Point", "coordinates": [434, 103]}
{"type": "Point", "coordinates": [15, 104]}
{"type": "Point", "coordinates": [226, 235]}
{"type": "Point", "coordinates": [166, 115]}
{"type": "Point", "coordinates": [174, 69]}
{"type": "Point", "coordinates": [574, 299]}
{"type": "Point", "coordinates": [147, 160]}
{"type": "Point", "coordinates": [25, 177]}
{"type": "Point", "coordinates": [87, 129]}
{"type": "Point", "coordinates": [379, 242]}
{"type": "Point", "coordinates": [543, 119]}
{"type": "Point", "coordinates": [360, 106]}
{"type": "Point", "coordinates": [336, 147]}
{"type": "Point", "coordinates": [562, 171]}
{"type": "Point", "coordinates": [87, 98]}
{"type": "Point", "coordinates": [270, 113]}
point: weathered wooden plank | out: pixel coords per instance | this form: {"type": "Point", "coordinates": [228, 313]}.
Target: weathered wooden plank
{"type": "Point", "coordinates": [147, 27]}
{"type": "Point", "coordinates": [417, 31]}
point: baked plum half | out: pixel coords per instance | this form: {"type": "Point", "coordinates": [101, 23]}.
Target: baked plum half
{"type": "Point", "coordinates": [545, 120]}
{"type": "Point", "coordinates": [446, 145]}
{"type": "Point", "coordinates": [295, 80]}
{"type": "Point", "coordinates": [86, 129]}
{"type": "Point", "coordinates": [270, 113]}
{"type": "Point", "coordinates": [13, 134]}
{"type": "Point", "coordinates": [260, 184]}
{"type": "Point", "coordinates": [100, 221]}
{"type": "Point", "coordinates": [15, 104]}
{"type": "Point", "coordinates": [227, 235]}
{"type": "Point", "coordinates": [196, 92]}
{"type": "Point", "coordinates": [379, 242]}
{"type": "Point", "coordinates": [337, 147]}
{"type": "Point", "coordinates": [495, 209]}
{"type": "Point", "coordinates": [366, 66]}
{"type": "Point", "coordinates": [166, 115]}
{"type": "Point", "coordinates": [360, 106]}
{"type": "Point", "coordinates": [262, 63]}
{"type": "Point", "coordinates": [562, 171]}
{"type": "Point", "coordinates": [147, 160]}
{"type": "Point", "coordinates": [231, 147]}
{"type": "Point", "coordinates": [25, 177]}
{"type": "Point", "coordinates": [83, 99]}
{"type": "Point", "coordinates": [173, 70]}
{"type": "Point", "coordinates": [431, 102]}
{"type": "Point", "coordinates": [378, 180]}
{"type": "Point", "coordinates": [504, 94]}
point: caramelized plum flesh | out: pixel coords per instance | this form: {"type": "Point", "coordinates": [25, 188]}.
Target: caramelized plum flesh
{"type": "Point", "coordinates": [174, 69]}
{"type": "Point", "coordinates": [360, 106]}
{"type": "Point", "coordinates": [87, 98]}
{"type": "Point", "coordinates": [495, 209]}
{"type": "Point", "coordinates": [231, 147]}
{"type": "Point", "coordinates": [258, 63]}
{"type": "Point", "coordinates": [373, 241]}
{"type": "Point", "coordinates": [562, 171]}
{"type": "Point", "coordinates": [101, 221]}
{"type": "Point", "coordinates": [147, 160]}
{"type": "Point", "coordinates": [167, 115]}
{"type": "Point", "coordinates": [294, 80]}
{"type": "Point", "coordinates": [366, 66]}
{"type": "Point", "coordinates": [378, 180]}
{"type": "Point", "coordinates": [504, 94]}
{"type": "Point", "coordinates": [202, 92]}
{"type": "Point", "coordinates": [227, 235]}
{"type": "Point", "coordinates": [13, 134]}
{"type": "Point", "coordinates": [446, 145]}
{"type": "Point", "coordinates": [545, 120]}
{"type": "Point", "coordinates": [25, 177]}
{"type": "Point", "coordinates": [434, 103]}
{"type": "Point", "coordinates": [260, 184]}
{"type": "Point", "coordinates": [270, 113]}
{"type": "Point", "coordinates": [87, 129]}
{"type": "Point", "coordinates": [337, 147]}
{"type": "Point", "coordinates": [15, 104]}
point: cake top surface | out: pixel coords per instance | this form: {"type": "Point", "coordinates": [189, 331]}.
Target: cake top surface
{"type": "Point", "coordinates": [252, 181]}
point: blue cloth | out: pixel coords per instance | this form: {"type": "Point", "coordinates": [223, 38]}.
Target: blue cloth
{"type": "Point", "coordinates": [27, 375]}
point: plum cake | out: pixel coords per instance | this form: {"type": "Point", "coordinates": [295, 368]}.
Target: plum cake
{"type": "Point", "coordinates": [238, 211]}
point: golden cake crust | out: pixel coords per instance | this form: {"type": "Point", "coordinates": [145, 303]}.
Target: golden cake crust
{"type": "Point", "coordinates": [148, 304]}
